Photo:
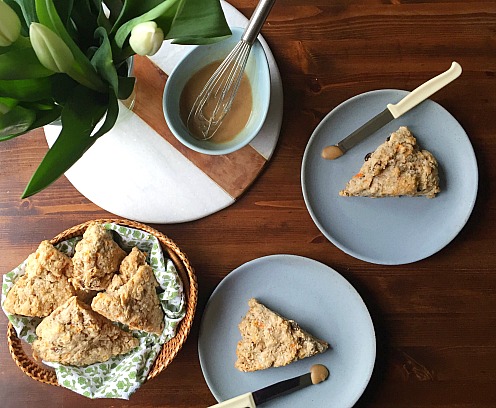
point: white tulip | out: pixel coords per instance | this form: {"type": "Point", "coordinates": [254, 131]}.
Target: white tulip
{"type": "Point", "coordinates": [146, 38]}
{"type": "Point", "coordinates": [50, 49]}
{"type": "Point", "coordinates": [10, 25]}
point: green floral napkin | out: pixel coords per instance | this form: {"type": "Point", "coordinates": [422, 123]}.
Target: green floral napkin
{"type": "Point", "coordinates": [122, 375]}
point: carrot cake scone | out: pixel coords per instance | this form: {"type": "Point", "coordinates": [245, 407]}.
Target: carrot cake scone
{"type": "Point", "coordinates": [44, 285]}
{"type": "Point", "coordinates": [131, 297]}
{"type": "Point", "coordinates": [270, 340]}
{"type": "Point", "coordinates": [76, 335]}
{"type": "Point", "coordinates": [97, 257]}
{"type": "Point", "coordinates": [396, 168]}
{"type": "Point", "coordinates": [127, 269]}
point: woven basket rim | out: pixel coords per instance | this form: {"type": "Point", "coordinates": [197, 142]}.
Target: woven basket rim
{"type": "Point", "coordinates": [169, 349]}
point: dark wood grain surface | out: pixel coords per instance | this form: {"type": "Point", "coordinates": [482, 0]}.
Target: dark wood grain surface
{"type": "Point", "coordinates": [435, 319]}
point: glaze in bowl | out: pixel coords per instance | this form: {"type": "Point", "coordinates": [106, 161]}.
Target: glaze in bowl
{"type": "Point", "coordinates": [257, 70]}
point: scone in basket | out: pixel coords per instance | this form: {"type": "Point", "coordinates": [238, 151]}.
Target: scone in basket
{"type": "Point", "coordinates": [169, 349]}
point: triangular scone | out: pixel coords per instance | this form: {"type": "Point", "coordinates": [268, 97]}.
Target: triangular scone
{"type": "Point", "coordinates": [135, 303]}
{"type": "Point", "coordinates": [51, 259]}
{"type": "Point", "coordinates": [44, 285]}
{"type": "Point", "coordinates": [97, 257]}
{"type": "Point", "coordinates": [270, 340]}
{"type": "Point", "coordinates": [76, 335]}
{"type": "Point", "coordinates": [127, 269]}
{"type": "Point", "coordinates": [396, 168]}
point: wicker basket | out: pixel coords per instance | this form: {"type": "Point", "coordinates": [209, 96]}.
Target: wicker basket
{"type": "Point", "coordinates": [169, 349]}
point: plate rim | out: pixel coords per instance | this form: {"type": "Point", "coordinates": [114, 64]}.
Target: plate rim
{"type": "Point", "coordinates": [470, 203]}
{"type": "Point", "coordinates": [271, 258]}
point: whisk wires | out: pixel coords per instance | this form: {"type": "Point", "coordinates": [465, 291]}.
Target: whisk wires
{"type": "Point", "coordinates": [217, 96]}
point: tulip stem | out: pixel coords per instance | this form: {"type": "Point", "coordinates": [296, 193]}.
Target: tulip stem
{"type": "Point", "coordinates": [121, 55]}
{"type": "Point", "coordinates": [76, 73]}
{"type": "Point", "coordinates": [22, 42]}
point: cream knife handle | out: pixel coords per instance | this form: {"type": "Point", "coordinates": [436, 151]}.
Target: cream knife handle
{"type": "Point", "coordinates": [425, 90]}
{"type": "Point", "coordinates": [243, 401]}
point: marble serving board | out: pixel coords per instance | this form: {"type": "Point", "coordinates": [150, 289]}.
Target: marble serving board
{"type": "Point", "coordinates": [140, 171]}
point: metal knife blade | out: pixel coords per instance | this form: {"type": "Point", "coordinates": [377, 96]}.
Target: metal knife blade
{"type": "Point", "coordinates": [372, 126]}
{"type": "Point", "coordinates": [391, 112]}
{"type": "Point", "coordinates": [281, 388]}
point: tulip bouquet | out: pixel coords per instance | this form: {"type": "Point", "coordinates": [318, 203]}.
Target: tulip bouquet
{"type": "Point", "coordinates": [67, 60]}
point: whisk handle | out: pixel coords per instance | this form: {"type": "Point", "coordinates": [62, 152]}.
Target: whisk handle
{"type": "Point", "coordinates": [257, 20]}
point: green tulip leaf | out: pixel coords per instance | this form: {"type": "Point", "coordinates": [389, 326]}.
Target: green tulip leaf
{"type": "Point", "coordinates": [115, 8]}
{"type": "Point", "coordinates": [199, 22]}
{"type": "Point", "coordinates": [63, 88]}
{"type": "Point", "coordinates": [46, 116]}
{"type": "Point", "coordinates": [21, 42]}
{"type": "Point", "coordinates": [42, 117]}
{"type": "Point", "coordinates": [29, 90]}
{"type": "Point", "coordinates": [111, 116]}
{"type": "Point", "coordinates": [5, 50]}
{"type": "Point", "coordinates": [40, 105]}
{"type": "Point", "coordinates": [126, 86]}
{"type": "Point", "coordinates": [83, 15]}
{"type": "Point", "coordinates": [133, 8]}
{"type": "Point", "coordinates": [30, 67]}
{"type": "Point", "coordinates": [27, 11]}
{"type": "Point", "coordinates": [7, 103]}
{"type": "Point", "coordinates": [164, 21]}
{"type": "Point", "coordinates": [82, 112]}
{"type": "Point", "coordinates": [103, 60]}
{"type": "Point", "coordinates": [16, 121]}
{"type": "Point", "coordinates": [103, 20]}
{"type": "Point", "coordinates": [199, 40]}
{"type": "Point", "coordinates": [64, 10]}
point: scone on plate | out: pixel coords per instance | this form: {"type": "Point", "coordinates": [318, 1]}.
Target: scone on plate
{"type": "Point", "coordinates": [76, 335]}
{"type": "Point", "coordinates": [44, 285]}
{"type": "Point", "coordinates": [396, 168]}
{"type": "Point", "coordinates": [131, 297]}
{"type": "Point", "coordinates": [97, 257]}
{"type": "Point", "coordinates": [270, 340]}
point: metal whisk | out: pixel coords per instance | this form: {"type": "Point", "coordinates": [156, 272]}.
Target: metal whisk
{"type": "Point", "coordinates": [216, 98]}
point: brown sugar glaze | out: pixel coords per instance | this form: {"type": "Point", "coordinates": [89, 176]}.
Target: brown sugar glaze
{"type": "Point", "coordinates": [236, 118]}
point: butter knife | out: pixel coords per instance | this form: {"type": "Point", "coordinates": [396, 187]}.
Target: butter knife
{"type": "Point", "coordinates": [393, 111]}
{"type": "Point", "coordinates": [317, 374]}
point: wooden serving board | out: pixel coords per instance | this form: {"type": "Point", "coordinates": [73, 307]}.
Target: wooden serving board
{"type": "Point", "coordinates": [233, 172]}
{"type": "Point", "coordinates": [140, 171]}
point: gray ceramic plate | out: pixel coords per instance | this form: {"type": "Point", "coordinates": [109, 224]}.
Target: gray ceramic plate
{"type": "Point", "coordinates": [316, 297]}
{"type": "Point", "coordinates": [389, 231]}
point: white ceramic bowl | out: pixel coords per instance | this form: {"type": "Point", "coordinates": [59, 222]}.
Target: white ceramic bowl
{"type": "Point", "coordinates": [257, 70]}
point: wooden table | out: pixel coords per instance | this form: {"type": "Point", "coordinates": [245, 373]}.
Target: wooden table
{"type": "Point", "coordinates": [435, 319]}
